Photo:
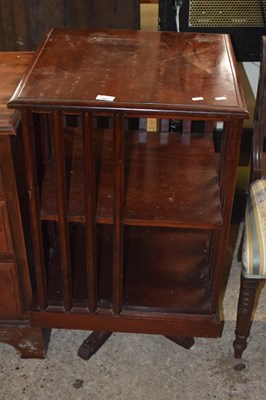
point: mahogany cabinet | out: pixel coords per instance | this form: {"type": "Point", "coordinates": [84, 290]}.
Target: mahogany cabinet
{"type": "Point", "coordinates": [15, 279]}
{"type": "Point", "coordinates": [130, 228]}
{"type": "Point", "coordinates": [24, 23]}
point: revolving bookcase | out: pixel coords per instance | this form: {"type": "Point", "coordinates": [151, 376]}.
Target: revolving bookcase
{"type": "Point", "coordinates": [129, 227]}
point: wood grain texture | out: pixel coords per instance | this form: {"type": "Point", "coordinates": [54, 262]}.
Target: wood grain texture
{"type": "Point", "coordinates": [24, 23]}
{"type": "Point", "coordinates": [161, 70]}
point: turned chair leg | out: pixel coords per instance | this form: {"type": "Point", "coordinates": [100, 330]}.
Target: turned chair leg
{"type": "Point", "coordinates": [246, 300]}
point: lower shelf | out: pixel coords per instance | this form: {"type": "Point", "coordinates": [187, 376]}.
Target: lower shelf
{"type": "Point", "coordinates": [164, 270]}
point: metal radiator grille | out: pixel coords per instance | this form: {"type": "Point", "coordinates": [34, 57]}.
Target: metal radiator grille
{"type": "Point", "coordinates": [226, 13]}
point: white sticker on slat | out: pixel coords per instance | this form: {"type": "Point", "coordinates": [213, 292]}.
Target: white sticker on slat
{"type": "Point", "coordinates": [221, 98]}
{"type": "Point", "coordinates": [197, 98]}
{"type": "Point", "coordinates": [104, 97]}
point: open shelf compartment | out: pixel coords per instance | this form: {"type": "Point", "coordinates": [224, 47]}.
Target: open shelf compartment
{"type": "Point", "coordinates": [163, 269]}
{"type": "Point", "coordinates": [170, 179]}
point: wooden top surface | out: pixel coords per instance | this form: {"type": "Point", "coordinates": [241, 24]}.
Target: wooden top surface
{"type": "Point", "coordinates": [143, 71]}
{"type": "Point", "coordinates": [12, 67]}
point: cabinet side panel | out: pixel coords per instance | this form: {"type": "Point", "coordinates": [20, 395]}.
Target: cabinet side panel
{"type": "Point", "coordinates": [5, 236]}
{"type": "Point", "coordinates": [10, 304]}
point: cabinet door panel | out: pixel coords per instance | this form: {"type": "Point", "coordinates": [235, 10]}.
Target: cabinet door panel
{"type": "Point", "coordinates": [10, 304]}
{"type": "Point", "coordinates": [1, 186]}
{"type": "Point", "coordinates": [5, 236]}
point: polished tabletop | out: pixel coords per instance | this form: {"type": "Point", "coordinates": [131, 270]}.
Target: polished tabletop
{"type": "Point", "coordinates": [133, 71]}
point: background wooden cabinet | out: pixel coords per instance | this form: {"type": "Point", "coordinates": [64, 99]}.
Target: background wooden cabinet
{"type": "Point", "coordinates": [5, 237]}
{"type": "Point", "coordinates": [15, 271]}
{"type": "Point", "coordinates": [10, 302]}
{"type": "Point", "coordinates": [23, 23]}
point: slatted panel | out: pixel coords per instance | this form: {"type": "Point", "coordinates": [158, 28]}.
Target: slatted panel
{"type": "Point", "coordinates": [53, 135]}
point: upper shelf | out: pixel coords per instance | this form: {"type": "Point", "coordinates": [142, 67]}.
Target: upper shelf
{"type": "Point", "coordinates": [140, 71]}
{"type": "Point", "coordinates": [170, 180]}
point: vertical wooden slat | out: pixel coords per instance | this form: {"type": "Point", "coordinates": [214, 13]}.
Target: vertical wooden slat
{"type": "Point", "coordinates": [231, 147]}
{"type": "Point", "coordinates": [164, 125]}
{"type": "Point", "coordinates": [186, 126]}
{"type": "Point", "coordinates": [208, 127]}
{"type": "Point", "coordinates": [44, 137]}
{"type": "Point", "coordinates": [186, 130]}
{"type": "Point", "coordinates": [34, 203]}
{"type": "Point", "coordinates": [143, 124]}
{"type": "Point", "coordinates": [90, 209]}
{"type": "Point", "coordinates": [118, 214]}
{"type": "Point", "coordinates": [217, 235]}
{"type": "Point", "coordinates": [61, 197]}
{"type": "Point", "coordinates": [232, 151]}
{"type": "Point", "coordinates": [226, 140]}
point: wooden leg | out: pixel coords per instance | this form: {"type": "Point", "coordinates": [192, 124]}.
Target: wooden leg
{"type": "Point", "coordinates": [92, 344]}
{"type": "Point", "coordinates": [183, 341]}
{"type": "Point", "coordinates": [29, 342]}
{"type": "Point", "coordinates": [96, 339]}
{"type": "Point", "coordinates": [244, 312]}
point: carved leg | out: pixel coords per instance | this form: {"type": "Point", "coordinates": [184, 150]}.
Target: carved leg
{"type": "Point", "coordinates": [183, 341]}
{"type": "Point", "coordinates": [244, 312]}
{"type": "Point", "coordinates": [92, 344]}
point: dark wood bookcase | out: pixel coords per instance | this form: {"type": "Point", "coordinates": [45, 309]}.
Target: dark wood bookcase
{"type": "Point", "coordinates": [129, 227]}
{"type": "Point", "coordinates": [15, 276]}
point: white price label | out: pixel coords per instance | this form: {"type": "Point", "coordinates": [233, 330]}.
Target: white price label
{"type": "Point", "coordinates": [105, 98]}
